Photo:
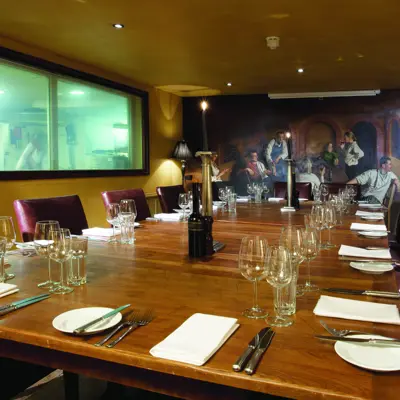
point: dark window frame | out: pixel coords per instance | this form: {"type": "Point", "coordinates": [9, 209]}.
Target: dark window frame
{"type": "Point", "coordinates": [63, 71]}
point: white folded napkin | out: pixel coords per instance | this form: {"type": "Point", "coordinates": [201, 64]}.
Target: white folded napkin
{"type": "Point", "coordinates": [275, 199]}
{"type": "Point", "coordinates": [242, 199]}
{"type": "Point", "coordinates": [7, 288]}
{"type": "Point", "coordinates": [336, 307]}
{"type": "Point", "coordinates": [355, 226]}
{"type": "Point", "coordinates": [363, 253]}
{"type": "Point", "coordinates": [360, 213]}
{"type": "Point", "coordinates": [101, 232]}
{"type": "Point", "coordinates": [196, 340]}
{"type": "Point", "coordinates": [168, 217]}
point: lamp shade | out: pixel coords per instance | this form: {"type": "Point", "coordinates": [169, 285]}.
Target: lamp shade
{"type": "Point", "coordinates": [181, 151]}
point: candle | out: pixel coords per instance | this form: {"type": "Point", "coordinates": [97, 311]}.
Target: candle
{"type": "Point", "coordinates": [289, 144]}
{"type": "Point", "coordinates": [204, 106]}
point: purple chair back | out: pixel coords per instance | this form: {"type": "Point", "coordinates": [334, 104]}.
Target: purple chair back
{"type": "Point", "coordinates": [169, 197]}
{"type": "Point", "coordinates": [115, 196]}
{"type": "Point", "coordinates": [304, 189]}
{"type": "Point", "coordinates": [67, 210]}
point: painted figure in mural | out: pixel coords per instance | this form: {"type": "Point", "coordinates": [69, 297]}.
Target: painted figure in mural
{"type": "Point", "coordinates": [216, 173]}
{"type": "Point", "coordinates": [275, 154]}
{"type": "Point", "coordinates": [33, 154]}
{"type": "Point", "coordinates": [352, 153]}
{"type": "Point", "coordinates": [330, 156]}
{"type": "Point", "coordinates": [304, 174]}
{"type": "Point", "coordinates": [376, 182]}
{"type": "Point", "coordinates": [256, 169]}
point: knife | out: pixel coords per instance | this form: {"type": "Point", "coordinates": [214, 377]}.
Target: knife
{"type": "Point", "coordinates": [16, 303]}
{"type": "Point", "coordinates": [360, 259]}
{"type": "Point", "coordinates": [261, 349]}
{"type": "Point", "coordinates": [376, 293]}
{"type": "Point", "coordinates": [83, 328]}
{"type": "Point", "coordinates": [23, 304]}
{"type": "Point", "coordinates": [394, 342]}
{"type": "Point", "coordinates": [253, 344]}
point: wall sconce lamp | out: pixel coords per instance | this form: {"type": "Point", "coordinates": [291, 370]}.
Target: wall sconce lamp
{"type": "Point", "coordinates": [182, 153]}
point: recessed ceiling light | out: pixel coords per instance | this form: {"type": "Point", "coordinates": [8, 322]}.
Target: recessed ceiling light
{"type": "Point", "coordinates": [300, 70]}
{"type": "Point", "coordinates": [229, 84]}
{"type": "Point", "coordinates": [2, 91]}
{"type": "Point", "coordinates": [118, 26]}
{"type": "Point", "coordinates": [76, 92]}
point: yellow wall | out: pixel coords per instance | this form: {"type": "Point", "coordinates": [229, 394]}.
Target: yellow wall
{"type": "Point", "coordinates": [165, 130]}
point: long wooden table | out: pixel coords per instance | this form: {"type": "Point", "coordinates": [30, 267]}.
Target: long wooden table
{"type": "Point", "coordinates": [157, 273]}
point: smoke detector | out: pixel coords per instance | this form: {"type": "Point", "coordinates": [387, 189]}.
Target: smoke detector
{"type": "Point", "coordinates": [272, 42]}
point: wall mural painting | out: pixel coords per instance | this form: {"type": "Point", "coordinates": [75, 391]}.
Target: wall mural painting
{"type": "Point", "coordinates": [342, 137]}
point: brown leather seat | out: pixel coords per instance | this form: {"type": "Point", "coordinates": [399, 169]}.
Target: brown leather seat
{"type": "Point", "coordinates": [115, 196]}
{"type": "Point", "coordinates": [304, 189]}
{"type": "Point", "coordinates": [169, 197]}
{"type": "Point", "coordinates": [67, 210]}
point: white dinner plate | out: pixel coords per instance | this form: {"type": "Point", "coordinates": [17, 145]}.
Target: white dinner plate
{"type": "Point", "coordinates": [219, 203]}
{"type": "Point", "coordinates": [25, 245]}
{"type": "Point", "coordinates": [372, 268]}
{"type": "Point", "coordinates": [372, 234]}
{"type": "Point", "coordinates": [70, 320]}
{"type": "Point", "coordinates": [180, 211]}
{"type": "Point", "coordinates": [372, 357]}
{"type": "Point", "coordinates": [373, 206]}
{"type": "Point", "coordinates": [372, 217]}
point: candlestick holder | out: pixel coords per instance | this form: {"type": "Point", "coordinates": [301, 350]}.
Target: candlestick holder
{"type": "Point", "coordinates": [289, 188]}
{"type": "Point", "coordinates": [206, 199]}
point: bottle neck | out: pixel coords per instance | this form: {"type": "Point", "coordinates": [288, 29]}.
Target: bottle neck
{"type": "Point", "coordinates": [196, 198]}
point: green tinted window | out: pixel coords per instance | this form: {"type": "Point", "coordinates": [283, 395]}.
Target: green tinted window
{"type": "Point", "coordinates": [52, 123]}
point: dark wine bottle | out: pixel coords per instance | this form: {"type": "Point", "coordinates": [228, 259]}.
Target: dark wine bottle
{"type": "Point", "coordinates": [196, 226]}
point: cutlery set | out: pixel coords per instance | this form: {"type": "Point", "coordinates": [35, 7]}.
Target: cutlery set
{"type": "Point", "coordinates": [255, 350]}
{"type": "Point", "coordinates": [375, 293]}
{"type": "Point", "coordinates": [7, 308]}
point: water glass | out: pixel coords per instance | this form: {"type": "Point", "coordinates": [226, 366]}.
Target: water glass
{"type": "Point", "coordinates": [3, 247]}
{"type": "Point", "coordinates": [183, 203]}
{"type": "Point", "coordinates": [127, 222]}
{"type": "Point", "coordinates": [77, 271]}
{"type": "Point", "coordinates": [258, 194]}
{"type": "Point", "coordinates": [232, 197]}
{"type": "Point", "coordinates": [7, 231]}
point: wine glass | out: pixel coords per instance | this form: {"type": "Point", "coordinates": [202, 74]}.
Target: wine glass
{"type": "Point", "coordinates": [222, 194]}
{"type": "Point", "coordinates": [7, 231]}
{"type": "Point", "coordinates": [41, 242]}
{"type": "Point", "coordinates": [183, 203]}
{"type": "Point", "coordinates": [3, 248]}
{"type": "Point", "coordinates": [59, 250]}
{"type": "Point", "coordinates": [310, 251]}
{"type": "Point", "coordinates": [317, 194]}
{"type": "Point", "coordinates": [352, 191]}
{"type": "Point", "coordinates": [319, 218]}
{"type": "Point", "coordinates": [279, 275]}
{"type": "Point", "coordinates": [291, 238]}
{"type": "Point", "coordinates": [112, 219]}
{"type": "Point", "coordinates": [253, 266]}
{"type": "Point", "coordinates": [330, 217]}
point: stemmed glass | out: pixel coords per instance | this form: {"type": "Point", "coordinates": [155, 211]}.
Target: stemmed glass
{"type": "Point", "coordinates": [183, 203]}
{"type": "Point", "coordinates": [279, 275]}
{"type": "Point", "coordinates": [250, 190]}
{"type": "Point", "coordinates": [41, 242]}
{"type": "Point", "coordinates": [319, 219]}
{"type": "Point", "coordinates": [60, 251]}
{"type": "Point", "coordinates": [330, 218]}
{"type": "Point", "coordinates": [112, 219]}
{"type": "Point", "coordinates": [310, 251]}
{"type": "Point", "coordinates": [253, 266]}
{"type": "Point", "coordinates": [3, 247]}
{"type": "Point", "coordinates": [222, 194]}
{"type": "Point", "coordinates": [352, 192]}
{"type": "Point", "coordinates": [7, 231]}
{"type": "Point", "coordinates": [317, 194]}
{"type": "Point", "coordinates": [292, 239]}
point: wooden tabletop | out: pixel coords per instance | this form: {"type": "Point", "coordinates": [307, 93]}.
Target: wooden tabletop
{"type": "Point", "coordinates": [157, 273]}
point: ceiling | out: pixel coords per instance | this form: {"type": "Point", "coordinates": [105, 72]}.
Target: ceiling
{"type": "Point", "coordinates": [193, 47]}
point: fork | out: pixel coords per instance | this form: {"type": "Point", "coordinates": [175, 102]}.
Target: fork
{"type": "Point", "coordinates": [142, 320]}
{"type": "Point", "coordinates": [343, 332]}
